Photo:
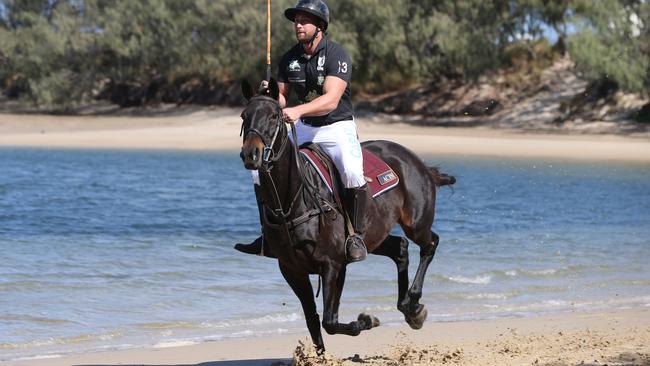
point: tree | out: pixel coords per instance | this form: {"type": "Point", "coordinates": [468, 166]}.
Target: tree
{"type": "Point", "coordinates": [611, 42]}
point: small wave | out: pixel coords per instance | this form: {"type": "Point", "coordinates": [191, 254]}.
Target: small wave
{"type": "Point", "coordinates": [630, 282]}
{"type": "Point", "coordinates": [541, 272]}
{"type": "Point", "coordinates": [542, 306]}
{"type": "Point", "coordinates": [201, 247]}
{"type": "Point", "coordinates": [529, 272]}
{"type": "Point", "coordinates": [553, 305]}
{"type": "Point", "coordinates": [251, 333]}
{"type": "Point", "coordinates": [37, 357]}
{"type": "Point", "coordinates": [550, 272]}
{"type": "Point", "coordinates": [267, 319]}
{"type": "Point", "coordinates": [477, 280]}
{"type": "Point", "coordinates": [378, 308]}
{"type": "Point", "coordinates": [166, 326]}
{"type": "Point", "coordinates": [488, 296]}
{"type": "Point", "coordinates": [170, 344]}
{"type": "Point", "coordinates": [53, 341]}
{"type": "Point", "coordinates": [35, 319]}
{"type": "Point", "coordinates": [454, 296]}
{"type": "Point", "coordinates": [21, 285]}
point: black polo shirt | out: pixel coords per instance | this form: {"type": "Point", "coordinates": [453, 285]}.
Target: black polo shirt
{"type": "Point", "coordinates": [306, 75]}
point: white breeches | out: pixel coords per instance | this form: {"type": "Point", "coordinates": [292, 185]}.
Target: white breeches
{"type": "Point", "coordinates": [340, 142]}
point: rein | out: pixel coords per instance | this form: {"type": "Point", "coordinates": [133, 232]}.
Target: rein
{"type": "Point", "coordinates": [306, 186]}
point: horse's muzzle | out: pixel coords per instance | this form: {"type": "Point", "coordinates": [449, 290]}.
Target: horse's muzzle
{"type": "Point", "coordinates": [251, 152]}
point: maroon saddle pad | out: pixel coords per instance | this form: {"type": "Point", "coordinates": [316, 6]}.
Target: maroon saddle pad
{"type": "Point", "coordinates": [380, 177]}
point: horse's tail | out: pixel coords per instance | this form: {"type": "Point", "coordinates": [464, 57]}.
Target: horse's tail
{"type": "Point", "coordinates": [441, 179]}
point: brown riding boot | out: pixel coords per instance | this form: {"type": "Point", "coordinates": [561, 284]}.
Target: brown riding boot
{"type": "Point", "coordinates": [259, 245]}
{"type": "Point", "coordinates": [356, 204]}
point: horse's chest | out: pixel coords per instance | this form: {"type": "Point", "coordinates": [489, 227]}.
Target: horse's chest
{"type": "Point", "coordinates": [314, 238]}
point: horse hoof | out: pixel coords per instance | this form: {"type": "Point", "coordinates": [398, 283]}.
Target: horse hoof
{"type": "Point", "coordinates": [320, 351]}
{"type": "Point", "coordinates": [368, 320]}
{"type": "Point", "coordinates": [416, 321]}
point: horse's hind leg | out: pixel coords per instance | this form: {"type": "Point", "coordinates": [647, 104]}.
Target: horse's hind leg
{"type": "Point", "coordinates": [333, 280]}
{"type": "Point", "coordinates": [396, 248]}
{"type": "Point", "coordinates": [414, 312]}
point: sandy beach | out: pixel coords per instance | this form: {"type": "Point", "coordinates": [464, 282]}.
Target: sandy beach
{"type": "Point", "coordinates": [619, 337]}
{"type": "Point", "coordinates": [218, 129]}
{"type": "Point", "coordinates": [609, 337]}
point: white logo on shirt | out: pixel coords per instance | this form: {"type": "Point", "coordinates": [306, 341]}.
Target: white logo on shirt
{"type": "Point", "coordinates": [294, 66]}
{"type": "Point", "coordinates": [321, 63]}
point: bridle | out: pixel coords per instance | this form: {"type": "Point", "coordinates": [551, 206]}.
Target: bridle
{"type": "Point", "coordinates": [269, 156]}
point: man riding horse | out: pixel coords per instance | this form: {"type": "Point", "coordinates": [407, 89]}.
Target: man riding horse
{"type": "Point", "coordinates": [319, 71]}
{"type": "Point", "coordinates": [302, 222]}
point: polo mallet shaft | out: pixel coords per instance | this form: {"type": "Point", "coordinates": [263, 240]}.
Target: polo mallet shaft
{"type": "Point", "coordinates": [268, 40]}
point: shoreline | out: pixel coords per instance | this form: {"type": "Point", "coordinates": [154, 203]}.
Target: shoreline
{"type": "Point", "coordinates": [218, 130]}
{"type": "Point", "coordinates": [613, 337]}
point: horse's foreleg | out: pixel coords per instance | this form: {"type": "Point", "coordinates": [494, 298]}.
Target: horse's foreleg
{"type": "Point", "coordinates": [414, 312]}
{"type": "Point", "coordinates": [303, 289]}
{"type": "Point", "coordinates": [396, 248]}
{"type": "Point", "coordinates": [333, 280]}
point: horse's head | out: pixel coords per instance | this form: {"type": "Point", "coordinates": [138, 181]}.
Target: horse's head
{"type": "Point", "coordinates": [262, 127]}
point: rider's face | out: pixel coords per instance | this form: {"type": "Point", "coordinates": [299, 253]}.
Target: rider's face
{"type": "Point", "coordinates": [305, 26]}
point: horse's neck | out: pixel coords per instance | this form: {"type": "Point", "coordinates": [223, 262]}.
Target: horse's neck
{"type": "Point", "coordinates": [285, 179]}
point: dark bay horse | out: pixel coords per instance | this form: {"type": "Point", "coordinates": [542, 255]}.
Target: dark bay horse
{"type": "Point", "coordinates": [307, 232]}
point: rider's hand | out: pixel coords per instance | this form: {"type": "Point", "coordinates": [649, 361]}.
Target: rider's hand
{"type": "Point", "coordinates": [264, 87]}
{"type": "Point", "coordinates": [291, 114]}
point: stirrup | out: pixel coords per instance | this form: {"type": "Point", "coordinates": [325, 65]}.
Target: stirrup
{"type": "Point", "coordinates": [355, 248]}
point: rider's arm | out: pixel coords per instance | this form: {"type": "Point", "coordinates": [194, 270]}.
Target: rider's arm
{"type": "Point", "coordinates": [333, 89]}
{"type": "Point", "coordinates": [285, 89]}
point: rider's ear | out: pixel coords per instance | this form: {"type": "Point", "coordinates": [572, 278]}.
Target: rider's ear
{"type": "Point", "coordinates": [274, 90]}
{"type": "Point", "coordinates": [247, 89]}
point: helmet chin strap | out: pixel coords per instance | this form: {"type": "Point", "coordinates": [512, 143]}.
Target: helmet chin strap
{"type": "Point", "coordinates": [313, 38]}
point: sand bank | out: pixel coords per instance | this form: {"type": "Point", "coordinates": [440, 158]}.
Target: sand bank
{"type": "Point", "coordinates": [620, 337]}
{"type": "Point", "coordinates": [218, 129]}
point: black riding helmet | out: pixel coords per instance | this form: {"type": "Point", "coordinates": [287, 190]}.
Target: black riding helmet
{"type": "Point", "coordinates": [317, 8]}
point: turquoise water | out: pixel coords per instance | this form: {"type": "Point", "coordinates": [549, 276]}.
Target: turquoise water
{"type": "Point", "coordinates": [123, 249]}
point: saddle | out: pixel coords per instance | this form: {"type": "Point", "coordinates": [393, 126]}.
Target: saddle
{"type": "Point", "coordinates": [379, 175]}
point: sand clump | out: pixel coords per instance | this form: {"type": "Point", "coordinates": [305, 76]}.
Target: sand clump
{"type": "Point", "coordinates": [584, 347]}
{"type": "Point", "coordinates": [403, 354]}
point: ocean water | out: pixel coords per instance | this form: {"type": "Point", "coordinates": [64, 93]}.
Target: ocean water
{"type": "Point", "coordinates": [125, 249]}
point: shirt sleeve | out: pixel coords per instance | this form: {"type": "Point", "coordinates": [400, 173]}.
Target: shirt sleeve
{"type": "Point", "coordinates": [282, 70]}
{"type": "Point", "coordinates": [339, 64]}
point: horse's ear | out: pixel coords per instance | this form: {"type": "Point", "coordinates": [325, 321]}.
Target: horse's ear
{"type": "Point", "coordinates": [274, 90]}
{"type": "Point", "coordinates": [247, 89]}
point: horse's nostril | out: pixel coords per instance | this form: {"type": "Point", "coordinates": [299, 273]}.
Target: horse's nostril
{"type": "Point", "coordinates": [241, 154]}
{"type": "Point", "coordinates": [256, 154]}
